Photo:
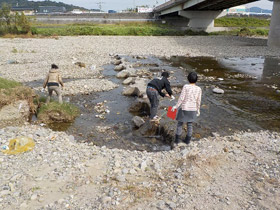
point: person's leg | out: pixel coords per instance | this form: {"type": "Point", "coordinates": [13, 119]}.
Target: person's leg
{"type": "Point", "coordinates": [152, 95]}
{"type": "Point", "coordinates": [179, 131]}
{"type": "Point", "coordinates": [50, 89]}
{"type": "Point", "coordinates": [189, 132]}
{"type": "Point", "coordinates": [58, 93]}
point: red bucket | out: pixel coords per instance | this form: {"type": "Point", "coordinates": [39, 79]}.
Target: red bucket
{"type": "Point", "coordinates": [171, 114]}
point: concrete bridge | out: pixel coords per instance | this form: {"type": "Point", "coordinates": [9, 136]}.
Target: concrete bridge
{"type": "Point", "coordinates": [200, 14]}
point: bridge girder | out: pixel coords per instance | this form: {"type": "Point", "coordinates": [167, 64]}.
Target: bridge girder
{"type": "Point", "coordinates": [215, 5]}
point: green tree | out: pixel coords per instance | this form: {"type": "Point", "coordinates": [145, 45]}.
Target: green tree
{"type": "Point", "coordinates": [5, 14]}
{"type": "Point", "coordinates": [24, 24]}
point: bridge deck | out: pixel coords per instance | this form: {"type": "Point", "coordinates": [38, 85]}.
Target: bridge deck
{"type": "Point", "coordinates": [202, 4]}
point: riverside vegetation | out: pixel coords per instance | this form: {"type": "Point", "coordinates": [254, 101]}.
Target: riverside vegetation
{"type": "Point", "coordinates": [12, 91]}
{"type": "Point", "coordinates": [18, 24]}
{"type": "Point", "coordinates": [13, 23]}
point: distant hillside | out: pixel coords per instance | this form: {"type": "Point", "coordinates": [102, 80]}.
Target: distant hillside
{"type": "Point", "coordinates": [35, 5]}
{"type": "Point", "coordinates": [258, 10]}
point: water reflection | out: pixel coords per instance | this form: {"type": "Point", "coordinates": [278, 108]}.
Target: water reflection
{"type": "Point", "coordinates": [252, 92]}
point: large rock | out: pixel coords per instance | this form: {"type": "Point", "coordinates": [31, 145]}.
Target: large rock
{"type": "Point", "coordinates": [149, 128]}
{"type": "Point", "coordinates": [117, 62]}
{"type": "Point", "coordinates": [120, 67]}
{"type": "Point", "coordinates": [131, 91]}
{"type": "Point", "coordinates": [132, 72]}
{"type": "Point", "coordinates": [138, 121]}
{"type": "Point", "coordinates": [123, 74]}
{"type": "Point", "coordinates": [141, 84]}
{"type": "Point", "coordinates": [128, 81]}
{"type": "Point", "coordinates": [218, 91]}
{"type": "Point", "coordinates": [140, 106]}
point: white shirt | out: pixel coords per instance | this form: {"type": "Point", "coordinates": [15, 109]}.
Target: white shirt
{"type": "Point", "coordinates": [190, 98]}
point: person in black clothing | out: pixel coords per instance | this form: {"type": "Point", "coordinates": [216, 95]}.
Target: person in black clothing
{"type": "Point", "coordinates": [154, 89]}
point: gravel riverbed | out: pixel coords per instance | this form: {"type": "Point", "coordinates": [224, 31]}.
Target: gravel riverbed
{"type": "Point", "coordinates": [241, 171]}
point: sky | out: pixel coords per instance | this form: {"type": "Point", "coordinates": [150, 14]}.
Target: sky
{"type": "Point", "coordinates": [119, 5]}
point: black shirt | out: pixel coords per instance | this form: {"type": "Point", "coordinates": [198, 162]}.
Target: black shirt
{"type": "Point", "coordinates": [160, 84]}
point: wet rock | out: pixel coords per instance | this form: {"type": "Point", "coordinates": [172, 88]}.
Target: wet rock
{"type": "Point", "coordinates": [119, 67]}
{"type": "Point", "coordinates": [128, 81]}
{"type": "Point", "coordinates": [141, 84]}
{"type": "Point", "coordinates": [131, 91]}
{"type": "Point", "coordinates": [218, 91]}
{"type": "Point", "coordinates": [140, 105]}
{"type": "Point", "coordinates": [148, 129]}
{"type": "Point", "coordinates": [117, 62]}
{"type": "Point", "coordinates": [132, 72]}
{"type": "Point", "coordinates": [138, 121]}
{"type": "Point", "coordinates": [123, 74]}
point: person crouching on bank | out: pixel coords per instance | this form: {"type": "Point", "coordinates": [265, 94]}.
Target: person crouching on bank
{"type": "Point", "coordinates": [53, 80]}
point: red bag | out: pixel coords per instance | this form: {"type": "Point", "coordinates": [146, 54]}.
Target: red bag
{"type": "Point", "coordinates": [171, 114]}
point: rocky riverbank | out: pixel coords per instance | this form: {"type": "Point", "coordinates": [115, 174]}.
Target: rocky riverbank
{"type": "Point", "coordinates": [230, 172]}
{"type": "Point", "coordinates": [241, 171]}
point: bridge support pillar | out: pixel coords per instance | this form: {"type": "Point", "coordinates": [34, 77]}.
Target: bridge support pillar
{"type": "Point", "coordinates": [201, 20]}
{"type": "Point", "coordinates": [274, 32]}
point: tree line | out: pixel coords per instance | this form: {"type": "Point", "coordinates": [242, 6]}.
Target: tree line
{"type": "Point", "coordinates": [13, 23]}
{"type": "Point", "coordinates": [35, 5]}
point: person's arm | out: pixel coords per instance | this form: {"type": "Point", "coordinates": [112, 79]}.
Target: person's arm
{"type": "Point", "coordinates": [161, 93]}
{"type": "Point", "coordinates": [181, 98]}
{"type": "Point", "coordinates": [198, 102]}
{"type": "Point", "coordinates": [46, 81]}
{"type": "Point", "coordinates": [60, 80]}
{"type": "Point", "coordinates": [168, 88]}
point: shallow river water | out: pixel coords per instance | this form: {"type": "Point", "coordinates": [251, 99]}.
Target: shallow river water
{"type": "Point", "coordinates": [251, 101]}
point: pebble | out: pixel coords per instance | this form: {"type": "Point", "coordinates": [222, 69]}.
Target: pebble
{"type": "Point", "coordinates": [218, 91]}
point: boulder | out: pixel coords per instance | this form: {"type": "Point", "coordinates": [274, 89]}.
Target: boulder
{"type": "Point", "coordinates": [218, 91]}
{"type": "Point", "coordinates": [140, 106]}
{"type": "Point", "coordinates": [132, 72]}
{"type": "Point", "coordinates": [123, 74]}
{"type": "Point", "coordinates": [141, 84]}
{"type": "Point", "coordinates": [149, 128]}
{"type": "Point", "coordinates": [120, 67]}
{"type": "Point", "coordinates": [131, 91]}
{"type": "Point", "coordinates": [117, 62]}
{"type": "Point", "coordinates": [138, 121]}
{"type": "Point", "coordinates": [128, 81]}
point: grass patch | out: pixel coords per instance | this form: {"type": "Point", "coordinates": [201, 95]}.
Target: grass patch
{"type": "Point", "coordinates": [11, 91]}
{"type": "Point", "coordinates": [244, 32]}
{"type": "Point", "coordinates": [7, 84]}
{"type": "Point", "coordinates": [123, 29]}
{"type": "Point", "coordinates": [241, 22]}
{"type": "Point", "coordinates": [55, 112]}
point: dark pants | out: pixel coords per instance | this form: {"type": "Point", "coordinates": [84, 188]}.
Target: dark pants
{"type": "Point", "coordinates": [153, 97]}
{"type": "Point", "coordinates": [180, 128]}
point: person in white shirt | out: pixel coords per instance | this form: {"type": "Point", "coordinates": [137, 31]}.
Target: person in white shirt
{"type": "Point", "coordinates": [189, 101]}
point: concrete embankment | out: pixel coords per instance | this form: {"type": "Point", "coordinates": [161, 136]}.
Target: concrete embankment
{"type": "Point", "coordinates": [95, 18]}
